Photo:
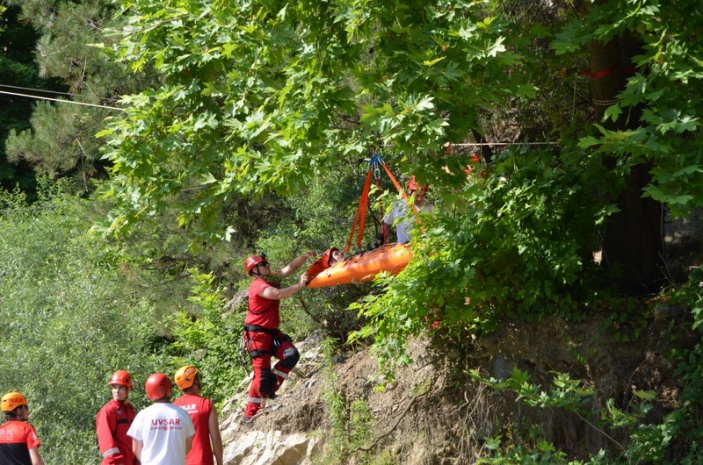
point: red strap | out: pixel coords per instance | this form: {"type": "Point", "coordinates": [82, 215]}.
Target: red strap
{"type": "Point", "coordinates": [599, 74]}
{"type": "Point", "coordinates": [605, 72]}
{"type": "Point", "coordinates": [395, 182]}
{"type": "Point", "coordinates": [360, 217]}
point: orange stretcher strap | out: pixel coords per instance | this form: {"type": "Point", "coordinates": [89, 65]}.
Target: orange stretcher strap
{"type": "Point", "coordinates": [395, 182]}
{"type": "Point", "coordinates": [360, 217]}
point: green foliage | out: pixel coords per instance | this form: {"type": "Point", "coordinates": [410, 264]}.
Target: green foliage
{"type": "Point", "coordinates": [517, 241]}
{"type": "Point", "coordinates": [209, 339]}
{"type": "Point", "coordinates": [685, 423]}
{"type": "Point", "coordinates": [68, 320]}
{"type": "Point", "coordinates": [17, 68]}
{"type": "Point", "coordinates": [335, 402]}
{"type": "Point", "coordinates": [263, 96]}
{"type": "Point", "coordinates": [55, 148]}
{"type": "Point", "coordinates": [627, 321]}
{"type": "Point", "coordinates": [75, 308]}
{"type": "Point", "coordinates": [666, 85]}
{"type": "Point", "coordinates": [66, 50]}
{"type": "Point", "coordinates": [647, 442]}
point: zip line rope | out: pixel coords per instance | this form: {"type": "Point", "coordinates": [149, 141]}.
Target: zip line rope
{"type": "Point", "coordinates": [46, 91]}
{"type": "Point", "coordinates": [7, 86]}
{"type": "Point", "coordinates": [106, 107]}
{"type": "Point", "coordinates": [488, 144]}
{"type": "Point", "coordinates": [38, 97]}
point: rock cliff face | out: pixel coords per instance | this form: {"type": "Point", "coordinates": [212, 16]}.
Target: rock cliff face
{"type": "Point", "coordinates": [431, 413]}
{"type": "Point", "coordinates": [272, 437]}
{"type": "Point", "coordinates": [295, 427]}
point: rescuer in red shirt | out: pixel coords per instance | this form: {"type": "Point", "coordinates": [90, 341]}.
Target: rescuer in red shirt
{"type": "Point", "coordinates": [261, 335]}
{"type": "Point", "coordinates": [113, 421]}
{"type": "Point", "coordinates": [19, 444]}
{"type": "Point", "coordinates": [207, 442]}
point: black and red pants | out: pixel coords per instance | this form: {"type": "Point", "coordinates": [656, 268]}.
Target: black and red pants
{"type": "Point", "coordinates": [263, 344]}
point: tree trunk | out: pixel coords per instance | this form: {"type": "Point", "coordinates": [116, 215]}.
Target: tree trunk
{"type": "Point", "coordinates": [633, 241]}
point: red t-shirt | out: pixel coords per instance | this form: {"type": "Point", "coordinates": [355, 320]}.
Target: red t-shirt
{"type": "Point", "coordinates": [16, 438]}
{"type": "Point", "coordinates": [199, 410]}
{"type": "Point", "coordinates": [262, 311]}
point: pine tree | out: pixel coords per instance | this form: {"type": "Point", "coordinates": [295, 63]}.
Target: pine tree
{"type": "Point", "coordinates": [61, 141]}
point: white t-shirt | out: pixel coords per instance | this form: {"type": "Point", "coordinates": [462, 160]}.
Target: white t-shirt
{"type": "Point", "coordinates": [404, 226]}
{"type": "Point", "coordinates": [163, 429]}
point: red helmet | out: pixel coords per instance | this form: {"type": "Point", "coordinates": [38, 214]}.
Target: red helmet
{"type": "Point", "coordinates": [251, 262]}
{"type": "Point", "coordinates": [413, 185]}
{"type": "Point", "coordinates": [157, 386]}
{"type": "Point", "coordinates": [121, 378]}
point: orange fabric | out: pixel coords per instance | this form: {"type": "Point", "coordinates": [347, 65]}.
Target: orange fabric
{"type": "Point", "coordinates": [316, 268]}
{"type": "Point", "coordinates": [395, 182]}
{"type": "Point", "coordinates": [360, 216]}
{"type": "Point", "coordinates": [391, 258]}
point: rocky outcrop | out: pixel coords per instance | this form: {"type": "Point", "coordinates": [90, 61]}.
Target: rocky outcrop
{"type": "Point", "coordinates": [432, 412]}
{"type": "Point", "coordinates": [269, 439]}
{"type": "Point", "coordinates": [265, 448]}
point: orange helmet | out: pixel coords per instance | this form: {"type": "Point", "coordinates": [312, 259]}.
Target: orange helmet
{"type": "Point", "coordinates": [121, 378]}
{"type": "Point", "coordinates": [251, 262]}
{"type": "Point", "coordinates": [12, 400]}
{"type": "Point", "coordinates": [413, 185]}
{"type": "Point", "coordinates": [157, 386]}
{"type": "Point", "coordinates": [185, 377]}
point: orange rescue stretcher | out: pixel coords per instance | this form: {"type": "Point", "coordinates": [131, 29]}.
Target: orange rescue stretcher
{"type": "Point", "coordinates": [364, 266]}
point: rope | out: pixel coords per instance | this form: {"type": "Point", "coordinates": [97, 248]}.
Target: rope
{"type": "Point", "coordinates": [55, 92]}
{"type": "Point", "coordinates": [488, 144]}
{"type": "Point", "coordinates": [60, 100]}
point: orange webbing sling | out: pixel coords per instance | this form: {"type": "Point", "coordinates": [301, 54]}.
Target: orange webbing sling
{"type": "Point", "coordinates": [360, 217]}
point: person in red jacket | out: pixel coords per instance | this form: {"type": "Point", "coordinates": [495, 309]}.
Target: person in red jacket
{"type": "Point", "coordinates": [19, 444]}
{"type": "Point", "coordinates": [261, 335]}
{"type": "Point", "coordinates": [113, 421]}
{"type": "Point", "coordinates": [207, 442]}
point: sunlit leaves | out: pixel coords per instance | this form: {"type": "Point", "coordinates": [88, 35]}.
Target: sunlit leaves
{"type": "Point", "coordinates": [260, 86]}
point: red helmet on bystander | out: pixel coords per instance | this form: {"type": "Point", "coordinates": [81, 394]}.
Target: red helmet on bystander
{"type": "Point", "coordinates": [157, 386]}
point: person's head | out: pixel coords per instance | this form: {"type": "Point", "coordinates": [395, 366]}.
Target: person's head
{"type": "Point", "coordinates": [332, 256]}
{"type": "Point", "coordinates": [121, 385]}
{"type": "Point", "coordinates": [14, 404]}
{"type": "Point", "coordinates": [158, 387]}
{"type": "Point", "coordinates": [188, 378]}
{"type": "Point", "coordinates": [413, 187]}
{"type": "Point", "coordinates": [256, 265]}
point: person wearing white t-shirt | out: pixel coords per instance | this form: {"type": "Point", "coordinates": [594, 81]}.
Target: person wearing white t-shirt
{"type": "Point", "coordinates": [162, 434]}
{"type": "Point", "coordinates": [400, 212]}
